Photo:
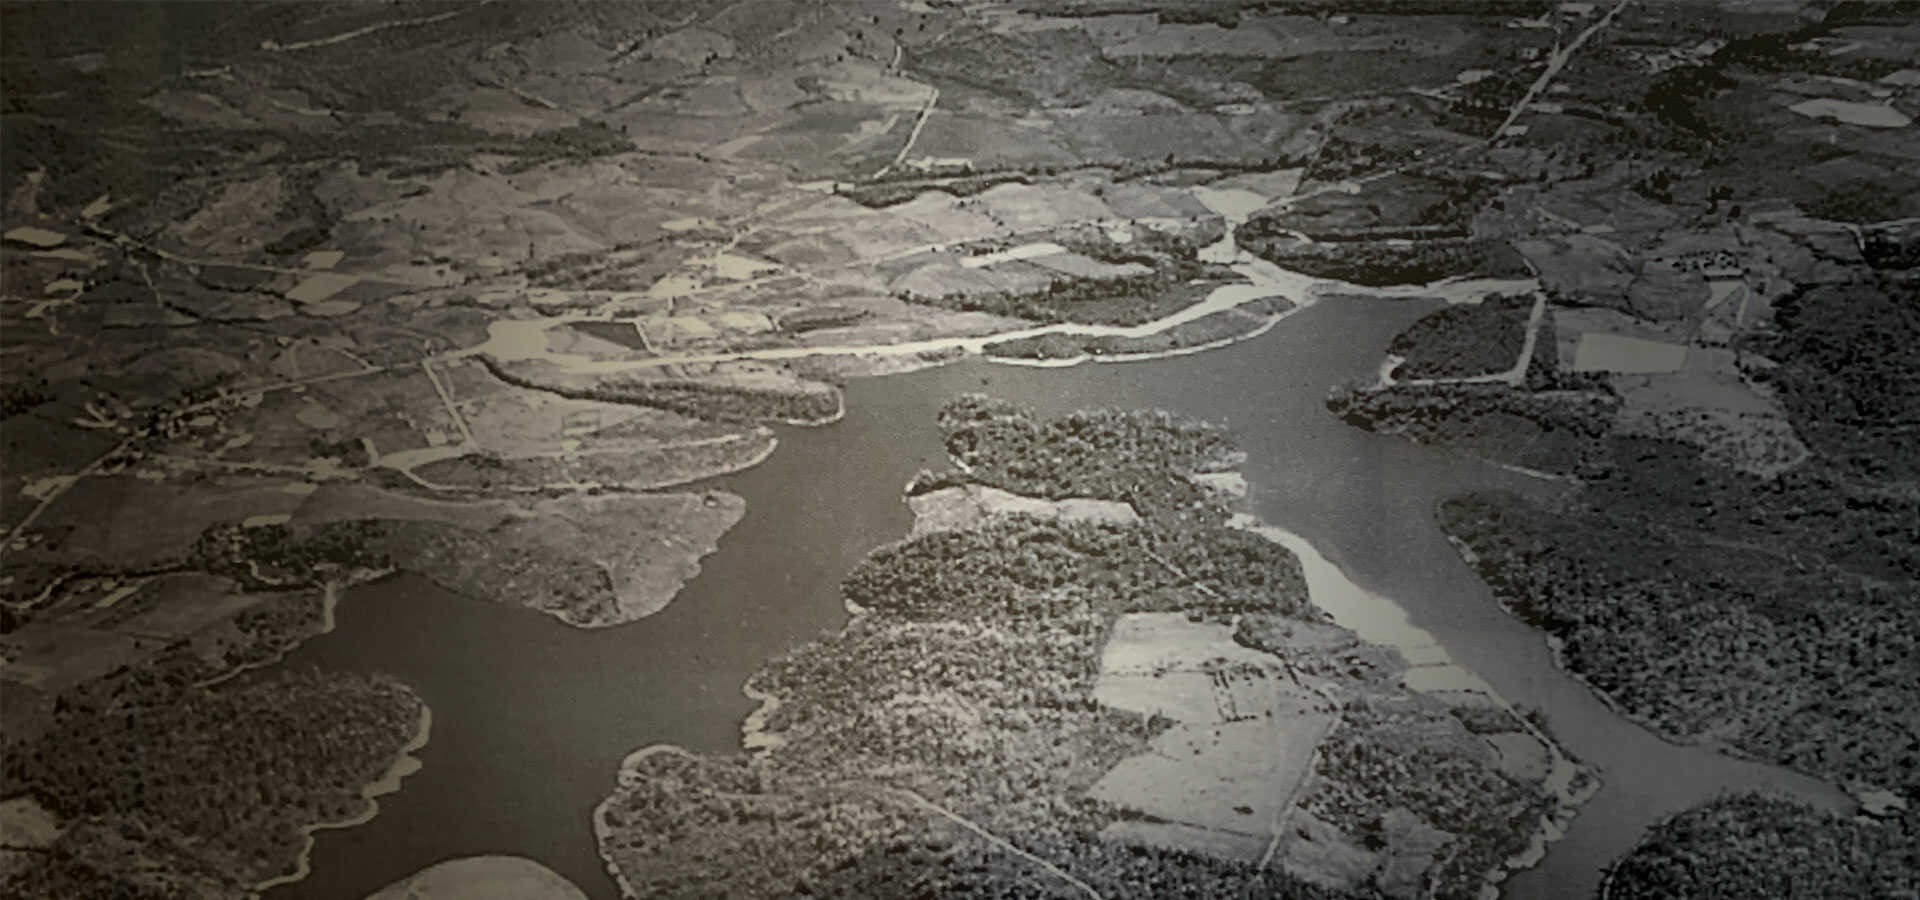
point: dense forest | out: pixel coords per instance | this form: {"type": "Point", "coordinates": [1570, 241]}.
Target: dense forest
{"type": "Point", "coordinates": [1707, 637]}
{"type": "Point", "coordinates": [1560, 432]}
{"type": "Point", "coordinates": [1849, 372]}
{"type": "Point", "coordinates": [1381, 263]}
{"type": "Point", "coordinates": [1458, 341]}
{"type": "Point", "coordinates": [1752, 845]}
{"type": "Point", "coordinates": [503, 568]}
{"type": "Point", "coordinates": [972, 697]}
{"type": "Point", "coordinates": [210, 786]}
{"type": "Point", "coordinates": [1772, 614]}
{"type": "Point", "coordinates": [1124, 300]}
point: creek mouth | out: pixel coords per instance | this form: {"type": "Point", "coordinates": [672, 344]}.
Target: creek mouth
{"type": "Point", "coordinates": [532, 717]}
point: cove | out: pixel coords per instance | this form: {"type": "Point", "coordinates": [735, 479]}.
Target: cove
{"type": "Point", "coordinates": [532, 717]}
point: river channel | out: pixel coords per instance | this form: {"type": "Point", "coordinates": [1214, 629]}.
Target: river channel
{"type": "Point", "coordinates": [532, 717]}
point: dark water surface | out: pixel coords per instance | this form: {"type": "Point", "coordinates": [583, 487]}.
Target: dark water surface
{"type": "Point", "coordinates": [532, 717]}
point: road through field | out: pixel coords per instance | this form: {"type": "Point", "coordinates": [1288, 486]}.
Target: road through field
{"type": "Point", "coordinates": [1555, 62]}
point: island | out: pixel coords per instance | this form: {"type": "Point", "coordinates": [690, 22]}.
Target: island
{"type": "Point", "coordinates": [1084, 674]}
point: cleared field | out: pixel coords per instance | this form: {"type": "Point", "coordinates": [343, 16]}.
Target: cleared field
{"type": "Point", "coordinates": [1710, 403]}
{"type": "Point", "coordinates": [1237, 777]}
{"type": "Point", "coordinates": [124, 521]}
{"type": "Point", "coordinates": [1244, 743]}
{"type": "Point", "coordinates": [1145, 643]}
{"type": "Point", "coordinates": [1868, 115]}
{"type": "Point", "coordinates": [1623, 355]}
{"type": "Point", "coordinates": [970, 506]}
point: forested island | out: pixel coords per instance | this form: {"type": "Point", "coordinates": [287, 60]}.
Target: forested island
{"type": "Point", "coordinates": [166, 782]}
{"type": "Point", "coordinates": [966, 733]}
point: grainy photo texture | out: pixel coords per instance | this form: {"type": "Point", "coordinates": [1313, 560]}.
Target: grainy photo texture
{"type": "Point", "coordinates": [1067, 449]}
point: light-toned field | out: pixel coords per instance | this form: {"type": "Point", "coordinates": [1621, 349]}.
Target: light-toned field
{"type": "Point", "coordinates": [34, 236]}
{"type": "Point", "coordinates": [1709, 402]}
{"type": "Point", "coordinates": [25, 823]}
{"type": "Point", "coordinates": [482, 878]}
{"type": "Point", "coordinates": [1145, 643]}
{"type": "Point", "coordinates": [1868, 115]}
{"type": "Point", "coordinates": [967, 507]}
{"type": "Point", "coordinates": [1624, 355]}
{"type": "Point", "coordinates": [1237, 777]}
{"type": "Point", "coordinates": [1243, 745]}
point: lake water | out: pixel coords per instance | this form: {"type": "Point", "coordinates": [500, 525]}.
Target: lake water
{"type": "Point", "coordinates": [532, 717]}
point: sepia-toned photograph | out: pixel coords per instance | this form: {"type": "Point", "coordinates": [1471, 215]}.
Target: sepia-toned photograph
{"type": "Point", "coordinates": [982, 449]}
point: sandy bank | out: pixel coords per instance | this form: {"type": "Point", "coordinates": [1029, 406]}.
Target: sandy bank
{"type": "Point", "coordinates": [754, 735]}
{"type": "Point", "coordinates": [602, 831]}
{"type": "Point", "coordinates": [329, 599]}
{"type": "Point", "coordinates": [482, 878]}
{"type": "Point", "coordinates": [1379, 620]}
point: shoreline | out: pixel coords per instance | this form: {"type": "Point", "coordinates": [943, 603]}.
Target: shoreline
{"type": "Point", "coordinates": [465, 494]}
{"type": "Point", "coordinates": [759, 456]}
{"type": "Point", "coordinates": [1263, 327]}
{"type": "Point", "coordinates": [1379, 620]}
{"type": "Point", "coordinates": [602, 832]}
{"type": "Point", "coordinates": [1264, 280]}
{"type": "Point", "coordinates": [1556, 645]}
{"type": "Point", "coordinates": [404, 764]}
{"type": "Point", "coordinates": [1567, 782]}
{"type": "Point", "coordinates": [329, 600]}
{"type": "Point", "coordinates": [754, 736]}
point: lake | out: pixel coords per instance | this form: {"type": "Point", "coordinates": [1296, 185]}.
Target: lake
{"type": "Point", "coordinates": [532, 717]}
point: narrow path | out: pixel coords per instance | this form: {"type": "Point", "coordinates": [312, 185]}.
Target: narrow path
{"type": "Point", "coordinates": [116, 237]}
{"type": "Point", "coordinates": [912, 136]}
{"type": "Point", "coordinates": [627, 767]}
{"type": "Point", "coordinates": [355, 34]}
{"type": "Point", "coordinates": [86, 471]}
{"type": "Point", "coordinates": [990, 837]}
{"type": "Point", "coordinates": [446, 399]}
{"type": "Point", "coordinates": [1277, 829]}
